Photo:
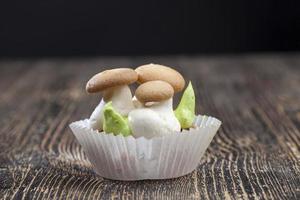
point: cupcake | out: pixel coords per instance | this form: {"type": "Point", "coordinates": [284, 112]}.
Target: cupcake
{"type": "Point", "coordinates": [141, 136]}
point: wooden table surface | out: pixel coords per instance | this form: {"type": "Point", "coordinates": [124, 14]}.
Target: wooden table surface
{"type": "Point", "coordinates": [255, 154]}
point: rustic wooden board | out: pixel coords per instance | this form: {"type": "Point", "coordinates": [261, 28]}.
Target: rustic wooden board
{"type": "Point", "coordinates": [255, 155]}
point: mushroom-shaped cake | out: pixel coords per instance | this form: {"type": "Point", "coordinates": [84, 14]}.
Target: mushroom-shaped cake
{"type": "Point", "coordinates": [156, 117]}
{"type": "Point", "coordinates": [152, 72]}
{"type": "Point", "coordinates": [114, 87]}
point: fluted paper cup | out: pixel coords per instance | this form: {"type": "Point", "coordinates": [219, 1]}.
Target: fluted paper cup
{"type": "Point", "coordinates": [129, 158]}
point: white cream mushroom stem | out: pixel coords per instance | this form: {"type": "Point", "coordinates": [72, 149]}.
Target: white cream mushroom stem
{"type": "Point", "coordinates": [114, 86]}
{"type": "Point", "coordinates": [153, 119]}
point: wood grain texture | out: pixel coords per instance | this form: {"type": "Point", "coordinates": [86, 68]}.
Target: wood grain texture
{"type": "Point", "coordinates": [255, 155]}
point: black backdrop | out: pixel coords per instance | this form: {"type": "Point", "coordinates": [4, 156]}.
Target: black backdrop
{"type": "Point", "coordinates": [79, 28]}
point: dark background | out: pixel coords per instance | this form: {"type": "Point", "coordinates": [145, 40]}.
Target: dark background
{"type": "Point", "coordinates": [86, 28]}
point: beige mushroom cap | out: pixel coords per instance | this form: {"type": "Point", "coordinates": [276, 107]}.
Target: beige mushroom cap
{"type": "Point", "coordinates": [154, 91]}
{"type": "Point", "coordinates": [153, 72]}
{"type": "Point", "coordinates": [111, 78]}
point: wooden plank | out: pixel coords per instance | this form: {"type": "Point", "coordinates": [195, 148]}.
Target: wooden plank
{"type": "Point", "coordinates": [255, 155]}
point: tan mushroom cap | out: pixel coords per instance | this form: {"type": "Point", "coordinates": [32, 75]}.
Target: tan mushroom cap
{"type": "Point", "coordinates": [153, 72]}
{"type": "Point", "coordinates": [111, 78]}
{"type": "Point", "coordinates": [154, 91]}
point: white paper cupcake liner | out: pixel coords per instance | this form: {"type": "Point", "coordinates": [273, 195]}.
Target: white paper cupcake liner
{"type": "Point", "coordinates": [129, 158]}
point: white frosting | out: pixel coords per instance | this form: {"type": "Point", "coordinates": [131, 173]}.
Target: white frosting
{"type": "Point", "coordinates": [121, 101]}
{"type": "Point", "coordinates": [96, 118]}
{"type": "Point", "coordinates": [155, 120]}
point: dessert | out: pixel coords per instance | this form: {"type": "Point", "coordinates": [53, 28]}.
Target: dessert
{"type": "Point", "coordinates": [114, 86]}
{"type": "Point", "coordinates": [156, 96]}
{"type": "Point", "coordinates": [143, 137]}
